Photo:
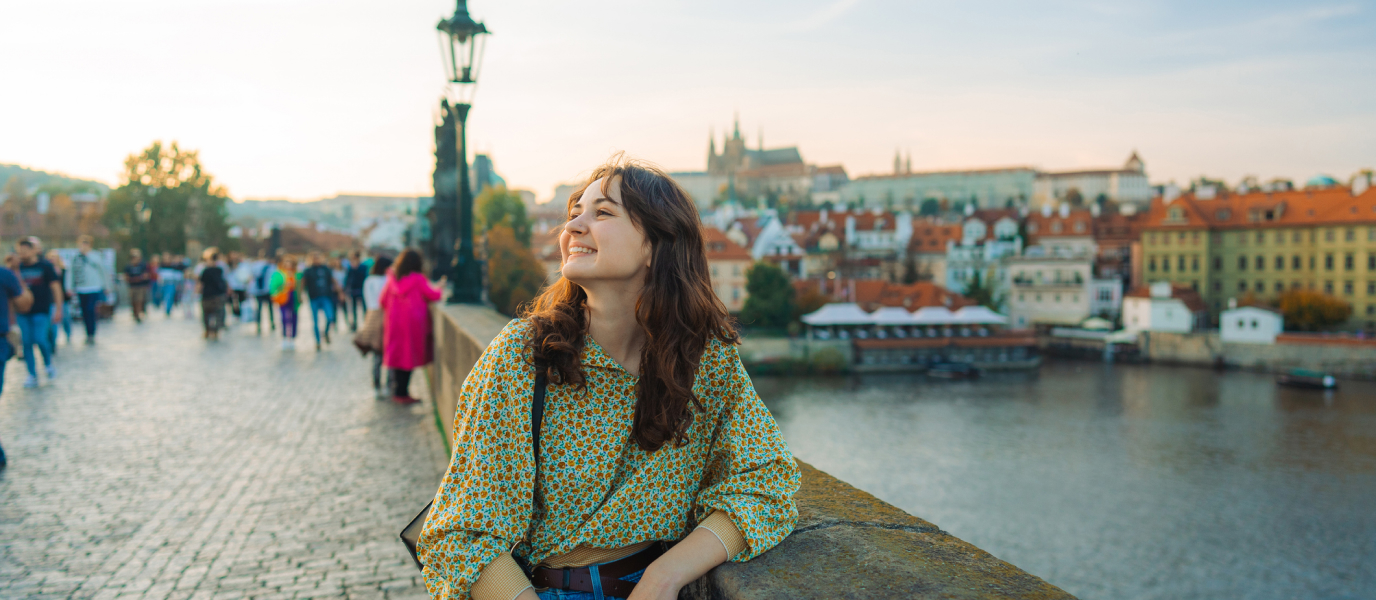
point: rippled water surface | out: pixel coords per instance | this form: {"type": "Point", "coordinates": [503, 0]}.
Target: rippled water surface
{"type": "Point", "coordinates": [1116, 481]}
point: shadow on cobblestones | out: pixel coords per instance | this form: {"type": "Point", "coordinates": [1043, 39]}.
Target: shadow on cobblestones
{"type": "Point", "coordinates": [158, 465]}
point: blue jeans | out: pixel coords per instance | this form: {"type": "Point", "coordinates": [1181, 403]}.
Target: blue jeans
{"type": "Point", "coordinates": [33, 328]}
{"type": "Point", "coordinates": [88, 312]}
{"type": "Point", "coordinates": [318, 305]}
{"type": "Point", "coordinates": [169, 295]}
{"type": "Point", "coordinates": [596, 594]}
{"type": "Point", "coordinates": [66, 326]}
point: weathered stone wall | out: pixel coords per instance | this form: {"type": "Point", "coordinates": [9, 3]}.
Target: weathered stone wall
{"type": "Point", "coordinates": [1206, 349]}
{"type": "Point", "coordinates": [847, 543]}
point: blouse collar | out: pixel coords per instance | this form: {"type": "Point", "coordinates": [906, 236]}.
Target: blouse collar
{"type": "Point", "coordinates": [595, 356]}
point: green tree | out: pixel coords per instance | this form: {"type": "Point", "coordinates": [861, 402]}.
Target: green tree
{"type": "Point", "coordinates": [514, 277]}
{"type": "Point", "coordinates": [497, 206]}
{"type": "Point", "coordinates": [770, 300]}
{"type": "Point", "coordinates": [1308, 310]}
{"type": "Point", "coordinates": [980, 292]}
{"type": "Point", "coordinates": [930, 207]}
{"type": "Point", "coordinates": [167, 199]}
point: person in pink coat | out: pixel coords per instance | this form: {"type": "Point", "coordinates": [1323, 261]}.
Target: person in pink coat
{"type": "Point", "coordinates": [407, 342]}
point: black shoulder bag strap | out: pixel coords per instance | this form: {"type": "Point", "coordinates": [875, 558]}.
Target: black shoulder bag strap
{"type": "Point", "coordinates": [411, 534]}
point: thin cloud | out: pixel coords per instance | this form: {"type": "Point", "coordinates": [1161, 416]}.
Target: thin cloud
{"type": "Point", "coordinates": [821, 17]}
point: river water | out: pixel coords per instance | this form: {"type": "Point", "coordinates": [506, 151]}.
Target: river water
{"type": "Point", "coordinates": [1115, 481]}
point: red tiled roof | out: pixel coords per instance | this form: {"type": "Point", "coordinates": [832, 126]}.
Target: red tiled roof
{"type": "Point", "coordinates": [720, 247]}
{"type": "Point", "coordinates": [930, 235]}
{"type": "Point", "coordinates": [1331, 206]}
{"type": "Point", "coordinates": [1079, 223]}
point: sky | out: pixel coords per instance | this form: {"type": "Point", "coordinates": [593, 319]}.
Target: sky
{"type": "Point", "coordinates": [303, 99]}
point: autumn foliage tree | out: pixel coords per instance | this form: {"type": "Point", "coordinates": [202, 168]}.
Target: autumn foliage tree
{"type": "Point", "coordinates": [166, 200]}
{"type": "Point", "coordinates": [1308, 310]}
{"type": "Point", "coordinates": [514, 277]}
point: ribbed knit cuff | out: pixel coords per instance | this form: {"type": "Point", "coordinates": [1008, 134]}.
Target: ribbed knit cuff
{"type": "Point", "coordinates": [501, 579]}
{"type": "Point", "coordinates": [720, 524]}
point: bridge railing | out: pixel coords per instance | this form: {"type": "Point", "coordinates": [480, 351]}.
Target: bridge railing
{"type": "Point", "coordinates": [847, 543]}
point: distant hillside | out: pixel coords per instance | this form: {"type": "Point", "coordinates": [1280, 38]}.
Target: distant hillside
{"type": "Point", "coordinates": [50, 182]}
{"type": "Point", "coordinates": [342, 211]}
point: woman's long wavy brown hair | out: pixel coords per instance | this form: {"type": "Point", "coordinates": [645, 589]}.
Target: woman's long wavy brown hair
{"type": "Point", "coordinates": [677, 310]}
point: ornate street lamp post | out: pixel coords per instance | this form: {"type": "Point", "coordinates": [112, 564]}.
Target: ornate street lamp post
{"type": "Point", "coordinates": [461, 46]}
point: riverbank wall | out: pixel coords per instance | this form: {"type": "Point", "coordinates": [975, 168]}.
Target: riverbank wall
{"type": "Point", "coordinates": [846, 544]}
{"type": "Point", "coordinates": [1343, 357]}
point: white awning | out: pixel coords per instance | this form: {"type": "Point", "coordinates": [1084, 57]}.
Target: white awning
{"type": "Point", "coordinates": [933, 315]}
{"type": "Point", "coordinates": [839, 313]}
{"type": "Point", "coordinates": [979, 315]}
{"type": "Point", "coordinates": [892, 315]}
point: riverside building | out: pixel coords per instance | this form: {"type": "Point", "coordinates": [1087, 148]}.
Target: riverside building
{"type": "Point", "coordinates": [1257, 245]}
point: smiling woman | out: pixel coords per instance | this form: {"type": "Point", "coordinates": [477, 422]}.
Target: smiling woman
{"type": "Point", "coordinates": [658, 461]}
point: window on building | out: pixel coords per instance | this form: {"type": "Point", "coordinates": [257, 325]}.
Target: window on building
{"type": "Point", "coordinates": [1280, 287]}
{"type": "Point", "coordinates": [1349, 261]}
{"type": "Point", "coordinates": [1328, 262]}
{"type": "Point", "coordinates": [1151, 264]}
{"type": "Point", "coordinates": [1218, 263]}
{"type": "Point", "coordinates": [1280, 263]}
{"type": "Point", "coordinates": [1180, 263]}
{"type": "Point", "coordinates": [1105, 295]}
{"type": "Point", "coordinates": [1218, 285]}
{"type": "Point", "coordinates": [1371, 288]}
{"type": "Point", "coordinates": [1371, 260]}
{"type": "Point", "coordinates": [1079, 227]}
{"type": "Point", "coordinates": [1328, 287]}
{"type": "Point", "coordinates": [1348, 288]}
{"type": "Point", "coordinates": [1371, 309]}
{"type": "Point", "coordinates": [1166, 264]}
{"type": "Point", "coordinates": [1240, 324]}
{"type": "Point", "coordinates": [1296, 263]}
{"type": "Point", "coordinates": [1242, 263]}
{"type": "Point", "coordinates": [1242, 237]}
{"type": "Point", "coordinates": [1194, 263]}
{"type": "Point", "coordinates": [1151, 238]}
{"type": "Point", "coordinates": [1328, 235]}
{"type": "Point", "coordinates": [1261, 237]}
{"type": "Point", "coordinates": [1242, 286]}
{"type": "Point", "coordinates": [1261, 263]}
{"type": "Point", "coordinates": [1280, 238]}
{"type": "Point", "coordinates": [1261, 287]}
{"type": "Point", "coordinates": [1351, 234]}
{"type": "Point", "coordinates": [1194, 285]}
{"type": "Point", "coordinates": [1311, 262]}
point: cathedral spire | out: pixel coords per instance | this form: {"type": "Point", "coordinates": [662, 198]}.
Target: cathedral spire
{"type": "Point", "coordinates": [737, 134]}
{"type": "Point", "coordinates": [897, 162]}
{"type": "Point", "coordinates": [761, 138]}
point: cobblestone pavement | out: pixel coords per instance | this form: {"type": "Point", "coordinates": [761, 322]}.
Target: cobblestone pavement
{"type": "Point", "coordinates": [158, 465]}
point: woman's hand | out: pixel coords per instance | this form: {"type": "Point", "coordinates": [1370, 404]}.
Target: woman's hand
{"type": "Point", "coordinates": [684, 563]}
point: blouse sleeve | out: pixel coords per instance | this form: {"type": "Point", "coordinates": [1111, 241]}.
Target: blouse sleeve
{"type": "Point", "coordinates": [751, 475]}
{"type": "Point", "coordinates": [483, 506]}
{"type": "Point", "coordinates": [432, 293]}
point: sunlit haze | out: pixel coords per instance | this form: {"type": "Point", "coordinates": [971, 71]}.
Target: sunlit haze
{"type": "Point", "coordinates": [304, 99]}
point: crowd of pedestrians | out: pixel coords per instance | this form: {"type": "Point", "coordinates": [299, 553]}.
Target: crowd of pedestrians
{"type": "Point", "coordinates": [385, 300]}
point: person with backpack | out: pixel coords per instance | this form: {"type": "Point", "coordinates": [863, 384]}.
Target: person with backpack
{"type": "Point", "coordinates": [259, 288]}
{"type": "Point", "coordinates": [285, 294]}
{"type": "Point", "coordinates": [355, 275]}
{"type": "Point", "coordinates": [213, 288]}
{"type": "Point", "coordinates": [319, 282]}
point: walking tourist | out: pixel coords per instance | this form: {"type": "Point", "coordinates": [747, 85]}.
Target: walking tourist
{"type": "Point", "coordinates": [88, 280]}
{"type": "Point", "coordinates": [260, 288]}
{"type": "Point", "coordinates": [138, 275]}
{"type": "Point", "coordinates": [45, 311]}
{"type": "Point", "coordinates": [356, 274]}
{"type": "Point", "coordinates": [214, 290]}
{"type": "Point", "coordinates": [640, 359]}
{"type": "Point", "coordinates": [373, 321]}
{"type": "Point", "coordinates": [12, 292]}
{"type": "Point", "coordinates": [320, 286]}
{"type": "Point", "coordinates": [64, 322]}
{"type": "Point", "coordinates": [284, 293]}
{"type": "Point", "coordinates": [406, 343]}
{"type": "Point", "coordinates": [240, 273]}
{"type": "Point", "coordinates": [170, 275]}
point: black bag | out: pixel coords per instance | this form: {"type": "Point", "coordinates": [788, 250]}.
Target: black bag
{"type": "Point", "coordinates": [411, 534]}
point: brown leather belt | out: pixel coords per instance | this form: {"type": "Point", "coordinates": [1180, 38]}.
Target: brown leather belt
{"type": "Point", "coordinates": [579, 579]}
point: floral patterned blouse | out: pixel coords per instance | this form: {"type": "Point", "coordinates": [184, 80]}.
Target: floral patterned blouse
{"type": "Point", "coordinates": [598, 489]}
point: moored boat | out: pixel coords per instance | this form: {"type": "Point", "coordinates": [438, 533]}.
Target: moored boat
{"type": "Point", "coordinates": [1306, 379]}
